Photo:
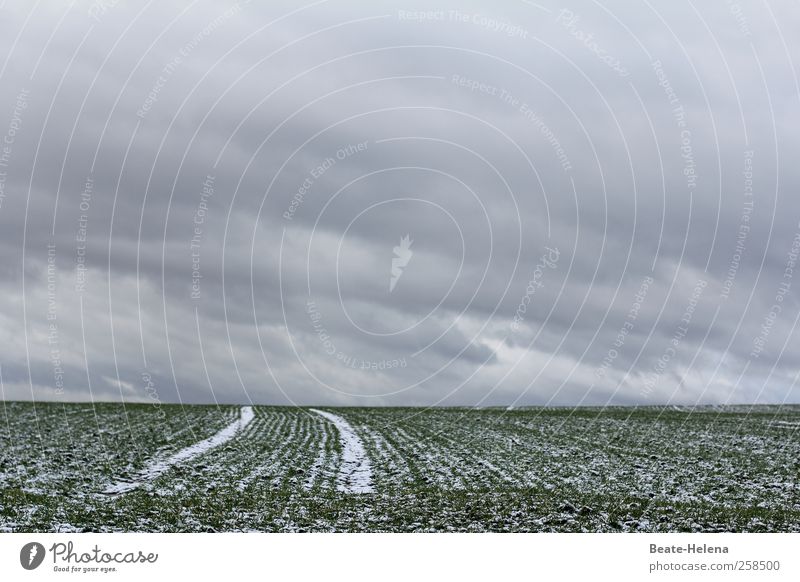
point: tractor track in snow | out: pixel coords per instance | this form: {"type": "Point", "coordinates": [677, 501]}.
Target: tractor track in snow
{"type": "Point", "coordinates": [159, 467]}
{"type": "Point", "coordinates": [355, 472]}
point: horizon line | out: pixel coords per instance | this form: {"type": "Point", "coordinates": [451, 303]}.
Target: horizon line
{"type": "Point", "coordinates": [478, 406]}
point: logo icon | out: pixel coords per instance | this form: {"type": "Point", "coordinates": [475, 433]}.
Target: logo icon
{"type": "Point", "coordinates": [402, 255]}
{"type": "Point", "coordinates": [31, 555]}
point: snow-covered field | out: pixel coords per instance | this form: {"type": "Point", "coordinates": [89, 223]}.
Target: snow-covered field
{"type": "Point", "coordinates": [102, 467]}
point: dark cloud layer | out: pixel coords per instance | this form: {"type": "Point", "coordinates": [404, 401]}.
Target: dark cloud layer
{"type": "Point", "coordinates": [600, 202]}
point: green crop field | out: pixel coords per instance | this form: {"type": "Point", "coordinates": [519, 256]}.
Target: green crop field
{"type": "Point", "coordinates": [105, 467]}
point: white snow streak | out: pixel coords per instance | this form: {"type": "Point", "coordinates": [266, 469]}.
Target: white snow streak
{"type": "Point", "coordinates": [785, 424]}
{"type": "Point", "coordinates": [159, 467]}
{"type": "Point", "coordinates": [355, 474]}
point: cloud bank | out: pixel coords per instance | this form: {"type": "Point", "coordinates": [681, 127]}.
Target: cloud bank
{"type": "Point", "coordinates": [342, 203]}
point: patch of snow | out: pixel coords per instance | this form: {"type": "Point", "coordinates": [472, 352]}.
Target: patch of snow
{"type": "Point", "coordinates": [157, 468]}
{"type": "Point", "coordinates": [355, 474]}
{"type": "Point", "coordinates": [785, 424]}
{"type": "Point", "coordinates": [319, 463]}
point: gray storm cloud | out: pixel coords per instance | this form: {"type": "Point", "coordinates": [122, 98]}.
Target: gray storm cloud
{"type": "Point", "coordinates": [200, 202]}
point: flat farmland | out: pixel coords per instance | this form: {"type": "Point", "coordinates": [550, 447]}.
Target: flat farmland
{"type": "Point", "coordinates": [109, 467]}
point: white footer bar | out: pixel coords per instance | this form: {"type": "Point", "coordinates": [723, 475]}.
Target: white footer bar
{"type": "Point", "coordinates": [369, 557]}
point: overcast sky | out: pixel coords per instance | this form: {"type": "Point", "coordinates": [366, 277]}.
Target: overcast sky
{"type": "Point", "coordinates": [352, 203]}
